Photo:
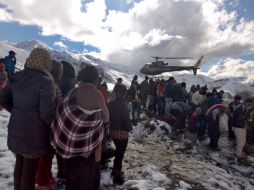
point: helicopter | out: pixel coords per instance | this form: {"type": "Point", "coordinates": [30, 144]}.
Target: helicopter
{"type": "Point", "coordinates": [158, 67]}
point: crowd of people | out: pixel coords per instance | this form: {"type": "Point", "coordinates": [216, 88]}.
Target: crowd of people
{"type": "Point", "coordinates": [56, 114]}
{"type": "Point", "coordinates": [197, 112]}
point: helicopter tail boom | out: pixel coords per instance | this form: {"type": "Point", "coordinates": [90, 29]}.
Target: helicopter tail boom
{"type": "Point", "coordinates": [198, 63]}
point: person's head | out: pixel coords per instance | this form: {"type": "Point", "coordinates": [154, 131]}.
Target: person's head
{"type": "Point", "coordinates": [171, 78]}
{"type": "Point", "coordinates": [88, 74]}
{"type": "Point", "coordinates": [146, 77]}
{"type": "Point", "coordinates": [2, 60]}
{"type": "Point", "coordinates": [247, 102]}
{"type": "Point", "coordinates": [57, 70]}
{"type": "Point", "coordinates": [193, 88]}
{"type": "Point", "coordinates": [202, 91]}
{"type": "Point", "coordinates": [237, 99]}
{"type": "Point", "coordinates": [162, 82]}
{"type": "Point", "coordinates": [119, 81]}
{"type": "Point", "coordinates": [198, 87]}
{"type": "Point", "coordinates": [135, 77]}
{"type": "Point", "coordinates": [12, 53]}
{"type": "Point", "coordinates": [68, 70]}
{"type": "Point", "coordinates": [221, 93]}
{"type": "Point", "coordinates": [214, 90]}
{"type": "Point", "coordinates": [39, 59]}
{"type": "Point", "coordinates": [120, 91]}
{"type": "Point", "coordinates": [183, 84]}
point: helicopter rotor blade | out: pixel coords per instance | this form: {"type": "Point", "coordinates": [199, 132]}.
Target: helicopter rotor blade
{"type": "Point", "coordinates": [157, 57]}
{"type": "Point", "coordinates": [177, 57]}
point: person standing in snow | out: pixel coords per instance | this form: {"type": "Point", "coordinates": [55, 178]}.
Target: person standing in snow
{"type": "Point", "coordinates": [168, 94]}
{"type": "Point", "coordinates": [232, 106]}
{"type": "Point", "coordinates": [104, 90]}
{"type": "Point", "coordinates": [29, 96]}
{"type": "Point", "coordinates": [10, 62]}
{"type": "Point", "coordinates": [143, 93]}
{"type": "Point", "coordinates": [120, 125]}
{"type": "Point", "coordinates": [161, 97]}
{"type": "Point", "coordinates": [136, 107]}
{"type": "Point", "coordinates": [239, 127]}
{"type": "Point", "coordinates": [213, 115]}
{"type": "Point", "coordinates": [198, 97]}
{"type": "Point", "coordinates": [250, 116]}
{"type": "Point", "coordinates": [194, 124]}
{"type": "Point", "coordinates": [68, 80]}
{"type": "Point", "coordinates": [44, 176]}
{"type": "Point", "coordinates": [78, 131]}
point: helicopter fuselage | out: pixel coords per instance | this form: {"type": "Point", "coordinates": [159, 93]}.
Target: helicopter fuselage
{"type": "Point", "coordinates": [152, 69]}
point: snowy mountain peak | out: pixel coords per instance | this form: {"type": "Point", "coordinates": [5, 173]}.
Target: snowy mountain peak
{"type": "Point", "coordinates": [31, 44]}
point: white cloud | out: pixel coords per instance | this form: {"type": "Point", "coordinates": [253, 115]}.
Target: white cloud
{"type": "Point", "coordinates": [60, 44]}
{"type": "Point", "coordinates": [231, 68]}
{"type": "Point", "coordinates": [150, 27]}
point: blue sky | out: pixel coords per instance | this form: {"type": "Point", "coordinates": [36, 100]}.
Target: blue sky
{"type": "Point", "coordinates": [16, 32]}
{"type": "Point", "coordinates": [13, 31]}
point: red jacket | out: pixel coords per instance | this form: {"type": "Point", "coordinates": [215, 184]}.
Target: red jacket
{"type": "Point", "coordinates": [192, 125]}
{"type": "Point", "coordinates": [215, 110]}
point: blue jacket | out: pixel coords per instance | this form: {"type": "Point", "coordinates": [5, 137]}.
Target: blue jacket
{"type": "Point", "coordinates": [10, 64]}
{"type": "Point", "coordinates": [169, 91]}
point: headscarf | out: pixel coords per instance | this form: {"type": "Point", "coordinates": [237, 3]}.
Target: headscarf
{"type": "Point", "coordinates": [39, 59]}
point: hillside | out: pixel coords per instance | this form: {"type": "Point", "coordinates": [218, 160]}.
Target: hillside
{"type": "Point", "coordinates": [110, 72]}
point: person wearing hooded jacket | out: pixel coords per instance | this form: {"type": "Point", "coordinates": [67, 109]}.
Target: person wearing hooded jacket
{"type": "Point", "coordinates": [77, 131]}
{"type": "Point", "coordinates": [120, 125]}
{"type": "Point", "coordinates": [29, 96]}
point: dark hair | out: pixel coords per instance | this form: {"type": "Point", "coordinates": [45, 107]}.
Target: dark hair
{"type": "Point", "coordinates": [146, 78]}
{"type": "Point", "coordinates": [171, 78]}
{"type": "Point", "coordinates": [88, 74]}
{"type": "Point", "coordinates": [120, 90]}
{"type": "Point", "coordinates": [119, 80]}
{"type": "Point", "coordinates": [68, 70]}
{"type": "Point", "coordinates": [135, 77]}
{"type": "Point", "coordinates": [55, 70]}
{"type": "Point", "coordinates": [183, 84]}
{"type": "Point", "coordinates": [1, 60]}
{"type": "Point", "coordinates": [247, 100]}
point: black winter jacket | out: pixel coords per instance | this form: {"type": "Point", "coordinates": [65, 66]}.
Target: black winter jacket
{"type": "Point", "coordinates": [29, 96]}
{"type": "Point", "coordinates": [239, 117]}
{"type": "Point", "coordinates": [119, 115]}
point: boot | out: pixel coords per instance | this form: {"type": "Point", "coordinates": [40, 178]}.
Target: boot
{"type": "Point", "coordinates": [118, 180]}
{"type": "Point", "coordinates": [118, 176]}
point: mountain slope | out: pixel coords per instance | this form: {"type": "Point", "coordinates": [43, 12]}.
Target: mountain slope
{"type": "Point", "coordinates": [110, 72]}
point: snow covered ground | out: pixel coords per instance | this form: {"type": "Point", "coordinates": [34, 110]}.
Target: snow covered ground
{"type": "Point", "coordinates": [154, 161]}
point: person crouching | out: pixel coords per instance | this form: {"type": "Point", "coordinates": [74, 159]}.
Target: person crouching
{"type": "Point", "coordinates": [120, 125]}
